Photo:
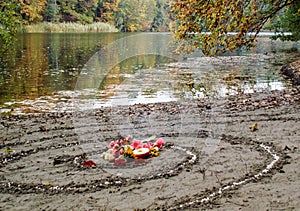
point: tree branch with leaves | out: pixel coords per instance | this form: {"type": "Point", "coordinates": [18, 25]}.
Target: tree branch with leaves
{"type": "Point", "coordinates": [10, 19]}
{"type": "Point", "coordinates": [221, 25]}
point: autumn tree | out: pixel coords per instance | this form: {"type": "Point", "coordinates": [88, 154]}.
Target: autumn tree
{"type": "Point", "coordinates": [136, 15]}
{"type": "Point", "coordinates": [32, 10]}
{"type": "Point", "coordinates": [126, 15]}
{"type": "Point", "coordinates": [107, 10]}
{"type": "Point", "coordinates": [221, 25]}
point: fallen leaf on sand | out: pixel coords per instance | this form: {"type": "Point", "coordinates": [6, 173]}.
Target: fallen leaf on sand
{"type": "Point", "coordinates": [254, 127]}
{"type": "Point", "coordinates": [8, 150]}
{"type": "Point", "coordinates": [48, 183]}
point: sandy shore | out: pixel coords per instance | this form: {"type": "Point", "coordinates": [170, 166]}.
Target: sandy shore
{"type": "Point", "coordinates": [212, 160]}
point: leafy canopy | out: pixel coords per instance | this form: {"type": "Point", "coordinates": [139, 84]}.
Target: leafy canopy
{"type": "Point", "coordinates": [208, 24]}
{"type": "Point", "coordinates": [32, 10]}
{"type": "Point", "coordinates": [10, 19]}
{"type": "Point", "coordinates": [288, 21]}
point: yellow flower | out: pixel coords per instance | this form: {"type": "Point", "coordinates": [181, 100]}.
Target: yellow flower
{"type": "Point", "coordinates": [128, 152]}
{"type": "Point", "coordinates": [154, 151]}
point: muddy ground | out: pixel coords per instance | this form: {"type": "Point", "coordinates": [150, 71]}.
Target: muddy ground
{"type": "Point", "coordinates": [212, 159]}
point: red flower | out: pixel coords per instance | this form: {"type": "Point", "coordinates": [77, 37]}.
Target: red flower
{"type": "Point", "coordinates": [116, 146]}
{"type": "Point", "coordinates": [136, 144]}
{"type": "Point", "coordinates": [112, 144]}
{"type": "Point", "coordinates": [146, 146]}
{"type": "Point", "coordinates": [159, 142]}
{"type": "Point", "coordinates": [89, 163]}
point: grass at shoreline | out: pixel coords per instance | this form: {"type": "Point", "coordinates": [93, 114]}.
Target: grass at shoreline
{"type": "Point", "coordinates": [68, 27]}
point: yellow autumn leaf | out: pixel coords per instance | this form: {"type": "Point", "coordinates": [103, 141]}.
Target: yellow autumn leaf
{"type": "Point", "coordinates": [254, 127]}
{"type": "Point", "coordinates": [8, 150]}
{"type": "Point", "coordinates": [48, 183]}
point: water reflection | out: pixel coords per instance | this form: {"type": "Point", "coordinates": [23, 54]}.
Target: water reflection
{"type": "Point", "coordinates": [40, 64]}
{"type": "Point", "coordinates": [229, 75]}
{"type": "Point", "coordinates": [41, 71]}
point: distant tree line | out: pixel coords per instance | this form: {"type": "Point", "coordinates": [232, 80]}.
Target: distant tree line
{"type": "Point", "coordinates": [126, 15]}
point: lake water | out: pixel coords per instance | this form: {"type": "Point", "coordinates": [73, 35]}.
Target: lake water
{"type": "Point", "coordinates": [46, 72]}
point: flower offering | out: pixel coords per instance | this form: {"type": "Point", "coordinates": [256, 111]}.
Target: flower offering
{"type": "Point", "coordinates": [128, 149]}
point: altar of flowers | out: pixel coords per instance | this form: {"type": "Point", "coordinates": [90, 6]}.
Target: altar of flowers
{"type": "Point", "coordinates": [127, 150]}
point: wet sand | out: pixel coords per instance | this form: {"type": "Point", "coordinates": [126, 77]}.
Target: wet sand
{"type": "Point", "coordinates": [212, 159]}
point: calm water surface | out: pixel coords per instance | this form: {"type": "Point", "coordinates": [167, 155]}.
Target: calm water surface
{"type": "Point", "coordinates": [43, 72]}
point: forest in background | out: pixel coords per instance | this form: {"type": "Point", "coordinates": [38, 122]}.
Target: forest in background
{"type": "Point", "coordinates": [180, 16]}
{"type": "Point", "coordinates": [125, 15]}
